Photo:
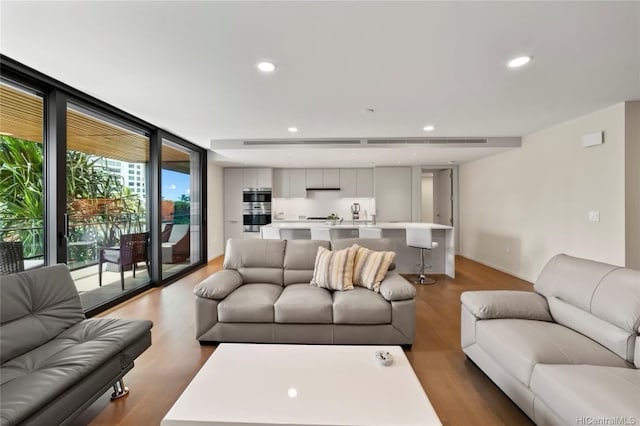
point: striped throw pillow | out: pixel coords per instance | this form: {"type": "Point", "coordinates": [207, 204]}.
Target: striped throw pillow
{"type": "Point", "coordinates": [334, 269]}
{"type": "Point", "coordinates": [370, 267]}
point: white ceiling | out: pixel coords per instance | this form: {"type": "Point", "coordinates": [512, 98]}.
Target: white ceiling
{"type": "Point", "coordinates": [190, 67]}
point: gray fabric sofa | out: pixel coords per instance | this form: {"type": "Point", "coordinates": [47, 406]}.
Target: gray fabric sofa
{"type": "Point", "coordinates": [567, 353]}
{"type": "Point", "coordinates": [263, 295]}
{"type": "Point", "coordinates": [55, 362]}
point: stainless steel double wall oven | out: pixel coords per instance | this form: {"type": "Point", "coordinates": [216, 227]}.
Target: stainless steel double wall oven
{"type": "Point", "coordinates": [256, 208]}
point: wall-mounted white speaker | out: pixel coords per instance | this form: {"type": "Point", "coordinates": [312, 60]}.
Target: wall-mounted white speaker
{"type": "Point", "coordinates": [592, 139]}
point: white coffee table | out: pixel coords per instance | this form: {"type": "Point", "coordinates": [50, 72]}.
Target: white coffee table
{"type": "Point", "coordinates": [245, 384]}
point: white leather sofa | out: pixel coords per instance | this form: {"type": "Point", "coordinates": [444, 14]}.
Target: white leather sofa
{"type": "Point", "coordinates": [567, 353]}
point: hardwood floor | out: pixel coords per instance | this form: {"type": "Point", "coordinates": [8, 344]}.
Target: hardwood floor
{"type": "Point", "coordinates": [460, 393]}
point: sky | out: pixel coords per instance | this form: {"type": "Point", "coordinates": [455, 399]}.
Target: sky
{"type": "Point", "coordinates": [174, 184]}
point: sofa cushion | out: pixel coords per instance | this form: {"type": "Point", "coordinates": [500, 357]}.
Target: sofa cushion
{"type": "Point", "coordinates": [219, 285]}
{"type": "Point", "coordinates": [302, 303]}
{"type": "Point", "coordinates": [514, 304]}
{"type": "Point", "coordinates": [599, 300]}
{"type": "Point", "coordinates": [250, 303]}
{"type": "Point", "coordinates": [56, 366]}
{"type": "Point", "coordinates": [334, 269]}
{"type": "Point", "coordinates": [299, 260]}
{"type": "Point", "coordinates": [518, 345]}
{"type": "Point", "coordinates": [377, 244]}
{"type": "Point", "coordinates": [258, 261]}
{"type": "Point", "coordinates": [360, 306]}
{"type": "Point", "coordinates": [588, 391]}
{"type": "Point", "coordinates": [614, 338]}
{"type": "Point", "coordinates": [370, 267]}
{"type": "Point", "coordinates": [572, 279]}
{"type": "Point", "coordinates": [395, 288]}
{"type": "Point", "coordinates": [36, 306]}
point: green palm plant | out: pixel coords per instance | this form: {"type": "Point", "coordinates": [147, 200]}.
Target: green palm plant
{"type": "Point", "coordinates": [21, 200]}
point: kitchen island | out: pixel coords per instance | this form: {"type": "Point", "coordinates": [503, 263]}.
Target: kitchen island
{"type": "Point", "coordinates": [407, 258]}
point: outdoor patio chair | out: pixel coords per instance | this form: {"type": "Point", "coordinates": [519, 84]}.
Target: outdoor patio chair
{"type": "Point", "coordinates": [11, 257]}
{"type": "Point", "coordinates": [133, 249]}
{"type": "Point", "coordinates": [166, 231]}
{"type": "Point", "coordinates": [176, 248]}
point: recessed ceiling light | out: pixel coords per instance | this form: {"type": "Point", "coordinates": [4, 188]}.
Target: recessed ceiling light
{"type": "Point", "coordinates": [428, 128]}
{"type": "Point", "coordinates": [266, 66]}
{"type": "Point", "coordinates": [451, 162]}
{"type": "Point", "coordinates": [292, 129]}
{"type": "Point", "coordinates": [368, 111]}
{"type": "Point", "coordinates": [519, 61]}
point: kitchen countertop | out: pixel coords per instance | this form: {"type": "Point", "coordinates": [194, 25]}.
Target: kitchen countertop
{"type": "Point", "coordinates": [288, 224]}
{"type": "Point", "coordinates": [314, 221]}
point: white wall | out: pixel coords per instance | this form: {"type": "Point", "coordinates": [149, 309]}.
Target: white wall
{"type": "Point", "coordinates": [632, 183]}
{"type": "Point", "coordinates": [521, 207]}
{"type": "Point", "coordinates": [416, 194]}
{"type": "Point", "coordinates": [215, 212]}
{"type": "Point", "coordinates": [427, 199]}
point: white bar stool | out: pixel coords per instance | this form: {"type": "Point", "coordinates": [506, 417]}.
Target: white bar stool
{"type": "Point", "coordinates": [421, 237]}
{"type": "Point", "coordinates": [365, 232]}
{"type": "Point", "coordinates": [270, 233]}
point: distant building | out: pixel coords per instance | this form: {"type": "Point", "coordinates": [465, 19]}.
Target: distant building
{"type": "Point", "coordinates": [133, 175]}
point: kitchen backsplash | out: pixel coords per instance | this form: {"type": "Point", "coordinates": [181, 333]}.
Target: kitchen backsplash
{"type": "Point", "coordinates": [320, 206]}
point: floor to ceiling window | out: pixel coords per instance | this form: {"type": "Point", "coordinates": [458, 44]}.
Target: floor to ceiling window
{"type": "Point", "coordinates": [106, 223]}
{"type": "Point", "coordinates": [21, 178]}
{"type": "Point", "coordinates": [80, 184]}
{"type": "Point", "coordinates": [181, 206]}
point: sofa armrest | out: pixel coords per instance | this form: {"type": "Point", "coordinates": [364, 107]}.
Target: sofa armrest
{"type": "Point", "coordinates": [219, 285]}
{"type": "Point", "coordinates": [394, 288]}
{"type": "Point", "coordinates": [495, 304]}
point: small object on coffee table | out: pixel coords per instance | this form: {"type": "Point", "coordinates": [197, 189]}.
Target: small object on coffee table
{"type": "Point", "coordinates": [384, 358]}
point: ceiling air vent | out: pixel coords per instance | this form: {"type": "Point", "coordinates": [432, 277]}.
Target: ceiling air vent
{"type": "Point", "coordinates": [302, 142]}
{"type": "Point", "coordinates": [428, 141]}
{"type": "Point", "coordinates": [395, 141]}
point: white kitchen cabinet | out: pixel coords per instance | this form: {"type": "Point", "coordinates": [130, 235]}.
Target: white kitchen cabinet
{"type": "Point", "coordinates": [348, 185]}
{"type": "Point", "coordinates": [233, 229]}
{"type": "Point", "coordinates": [393, 194]}
{"type": "Point", "coordinates": [297, 183]}
{"type": "Point", "coordinates": [264, 178]}
{"type": "Point", "coordinates": [331, 178]}
{"type": "Point", "coordinates": [249, 178]}
{"type": "Point", "coordinates": [256, 177]}
{"type": "Point", "coordinates": [323, 178]}
{"type": "Point", "coordinates": [364, 183]}
{"type": "Point", "coordinates": [314, 178]}
{"type": "Point", "coordinates": [281, 186]}
{"type": "Point", "coordinates": [233, 184]}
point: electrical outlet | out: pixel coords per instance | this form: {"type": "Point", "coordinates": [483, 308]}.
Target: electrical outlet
{"type": "Point", "coordinates": [594, 216]}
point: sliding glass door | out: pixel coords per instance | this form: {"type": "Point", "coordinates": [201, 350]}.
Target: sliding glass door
{"type": "Point", "coordinates": [83, 183]}
{"type": "Point", "coordinates": [180, 207]}
{"type": "Point", "coordinates": [22, 154]}
{"type": "Point", "coordinates": [106, 209]}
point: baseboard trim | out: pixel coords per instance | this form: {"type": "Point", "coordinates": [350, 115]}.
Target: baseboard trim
{"type": "Point", "coordinates": [500, 268]}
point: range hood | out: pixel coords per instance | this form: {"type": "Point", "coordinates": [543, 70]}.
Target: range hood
{"type": "Point", "coordinates": [324, 189]}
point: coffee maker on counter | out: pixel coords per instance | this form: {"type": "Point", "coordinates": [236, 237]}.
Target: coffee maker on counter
{"type": "Point", "coordinates": [355, 211]}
